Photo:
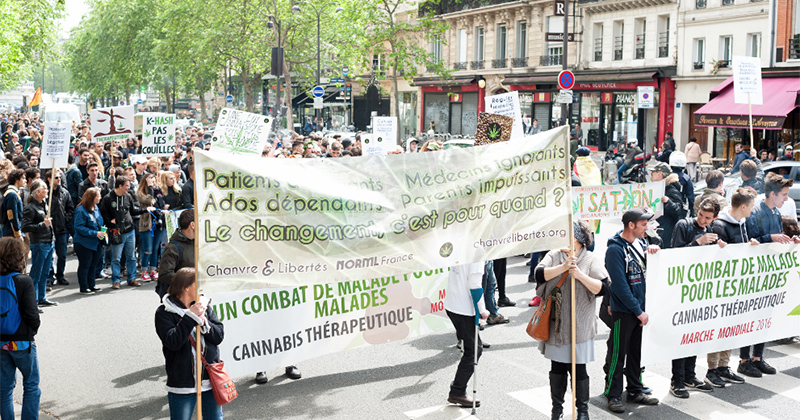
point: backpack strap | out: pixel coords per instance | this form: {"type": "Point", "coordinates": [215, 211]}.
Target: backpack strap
{"type": "Point", "coordinates": [180, 250]}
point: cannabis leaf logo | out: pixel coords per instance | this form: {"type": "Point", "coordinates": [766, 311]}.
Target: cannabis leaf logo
{"type": "Point", "coordinates": [380, 139]}
{"type": "Point", "coordinates": [147, 133]}
{"type": "Point", "coordinates": [446, 249]}
{"type": "Point", "coordinates": [494, 131]}
{"type": "Point", "coordinates": [170, 137]}
{"type": "Point", "coordinates": [795, 311]}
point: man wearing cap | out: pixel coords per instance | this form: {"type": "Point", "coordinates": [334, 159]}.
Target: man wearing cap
{"type": "Point", "coordinates": [787, 153]}
{"type": "Point", "coordinates": [347, 144]}
{"type": "Point", "coordinates": [412, 145]}
{"type": "Point", "coordinates": [626, 263]}
{"type": "Point", "coordinates": [630, 155]}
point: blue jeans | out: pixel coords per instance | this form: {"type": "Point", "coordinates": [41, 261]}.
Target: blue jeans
{"type": "Point", "coordinates": [129, 246]}
{"type": "Point", "coordinates": [534, 263]}
{"type": "Point", "coordinates": [489, 286]}
{"type": "Point", "coordinates": [88, 262]}
{"type": "Point", "coordinates": [28, 364]}
{"type": "Point", "coordinates": [151, 248]}
{"type": "Point", "coordinates": [41, 262]}
{"type": "Point", "coordinates": [620, 171]}
{"type": "Point", "coordinates": [181, 406]}
{"type": "Point", "coordinates": [61, 257]}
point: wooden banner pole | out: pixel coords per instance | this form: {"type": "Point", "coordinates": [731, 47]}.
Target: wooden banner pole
{"type": "Point", "coordinates": [52, 181]}
{"type": "Point", "coordinates": [198, 363]}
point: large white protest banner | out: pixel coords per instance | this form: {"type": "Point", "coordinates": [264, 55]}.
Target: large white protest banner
{"type": "Point", "coordinates": [271, 328]}
{"type": "Point", "coordinates": [611, 201]}
{"type": "Point", "coordinates": [507, 104]}
{"type": "Point", "coordinates": [114, 123]}
{"type": "Point", "coordinates": [241, 132]}
{"type": "Point", "coordinates": [299, 221]}
{"type": "Point", "coordinates": [158, 134]}
{"type": "Point", "coordinates": [706, 299]}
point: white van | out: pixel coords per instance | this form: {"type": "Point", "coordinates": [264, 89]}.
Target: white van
{"type": "Point", "coordinates": [53, 112]}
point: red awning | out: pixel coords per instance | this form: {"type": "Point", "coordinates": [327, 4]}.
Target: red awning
{"type": "Point", "coordinates": [780, 98]}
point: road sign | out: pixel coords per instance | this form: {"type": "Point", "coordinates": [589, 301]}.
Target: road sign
{"type": "Point", "coordinates": [645, 96]}
{"type": "Point", "coordinates": [318, 103]}
{"type": "Point", "coordinates": [139, 101]}
{"type": "Point", "coordinates": [345, 70]}
{"type": "Point", "coordinates": [565, 96]}
{"type": "Point", "coordinates": [337, 80]}
{"type": "Point", "coordinates": [229, 98]}
{"type": "Point", "coordinates": [121, 103]}
{"type": "Point", "coordinates": [566, 80]}
{"type": "Point", "coordinates": [318, 91]}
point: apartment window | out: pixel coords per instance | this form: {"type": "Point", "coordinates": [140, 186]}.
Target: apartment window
{"type": "Point", "coordinates": [725, 50]}
{"type": "Point", "coordinates": [502, 42]}
{"type": "Point", "coordinates": [727, 2]}
{"type": "Point", "coordinates": [555, 50]}
{"type": "Point", "coordinates": [619, 44]}
{"type": "Point", "coordinates": [663, 36]}
{"type": "Point", "coordinates": [479, 38]}
{"type": "Point", "coordinates": [377, 64]}
{"type": "Point", "coordinates": [700, 4]}
{"type": "Point", "coordinates": [754, 45]}
{"type": "Point", "coordinates": [436, 50]}
{"type": "Point", "coordinates": [598, 42]}
{"type": "Point", "coordinates": [522, 37]}
{"type": "Point", "coordinates": [640, 31]}
{"type": "Point", "coordinates": [699, 53]}
{"type": "Point", "coordinates": [462, 45]}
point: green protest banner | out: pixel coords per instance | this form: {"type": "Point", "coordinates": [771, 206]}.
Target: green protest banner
{"type": "Point", "coordinates": [706, 299]}
{"type": "Point", "coordinates": [299, 221]}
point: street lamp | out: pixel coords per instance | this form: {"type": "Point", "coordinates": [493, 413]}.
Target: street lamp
{"type": "Point", "coordinates": [296, 9]}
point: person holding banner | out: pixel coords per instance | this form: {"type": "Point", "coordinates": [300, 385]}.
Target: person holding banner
{"type": "Point", "coordinates": [176, 320]}
{"type": "Point", "coordinates": [764, 224]}
{"type": "Point", "coordinates": [460, 306]}
{"type": "Point", "coordinates": [626, 265]}
{"type": "Point", "coordinates": [730, 229]}
{"type": "Point", "coordinates": [692, 232]}
{"type": "Point", "coordinates": [592, 278]}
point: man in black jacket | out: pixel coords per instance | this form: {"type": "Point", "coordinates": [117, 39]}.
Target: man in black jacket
{"type": "Point", "coordinates": [62, 212]}
{"type": "Point", "coordinates": [92, 180]}
{"type": "Point", "coordinates": [18, 350]}
{"type": "Point", "coordinates": [117, 208]}
{"type": "Point", "coordinates": [179, 252]}
{"type": "Point", "coordinates": [187, 193]}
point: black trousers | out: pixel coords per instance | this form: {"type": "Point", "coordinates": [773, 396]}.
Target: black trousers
{"type": "Point", "coordinates": [624, 355]}
{"type": "Point", "coordinates": [500, 275]}
{"type": "Point", "coordinates": [683, 370]}
{"type": "Point", "coordinates": [465, 329]}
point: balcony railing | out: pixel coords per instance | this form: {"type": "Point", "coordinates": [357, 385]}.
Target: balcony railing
{"type": "Point", "coordinates": [663, 44]}
{"type": "Point", "coordinates": [451, 6]}
{"type": "Point", "coordinates": [550, 60]}
{"type": "Point", "coordinates": [476, 65]}
{"type": "Point", "coordinates": [698, 65]}
{"type": "Point", "coordinates": [460, 66]}
{"type": "Point", "coordinates": [794, 47]}
{"type": "Point", "coordinates": [519, 62]}
{"type": "Point", "coordinates": [700, 4]}
{"type": "Point", "coordinates": [598, 49]}
{"type": "Point", "coordinates": [499, 63]}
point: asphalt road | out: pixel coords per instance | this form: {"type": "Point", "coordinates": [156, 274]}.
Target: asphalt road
{"type": "Point", "coordinates": [100, 359]}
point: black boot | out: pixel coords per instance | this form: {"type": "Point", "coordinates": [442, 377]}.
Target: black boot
{"type": "Point", "coordinates": [558, 386]}
{"type": "Point", "coordinates": [582, 399]}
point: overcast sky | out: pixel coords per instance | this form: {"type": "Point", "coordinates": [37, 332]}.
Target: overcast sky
{"type": "Point", "coordinates": [75, 9]}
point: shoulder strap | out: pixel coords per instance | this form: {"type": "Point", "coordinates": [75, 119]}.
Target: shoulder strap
{"type": "Point", "coordinates": [563, 277]}
{"type": "Point", "coordinates": [194, 345]}
{"type": "Point", "coordinates": [180, 251]}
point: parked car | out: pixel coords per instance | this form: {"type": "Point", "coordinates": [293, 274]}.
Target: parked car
{"type": "Point", "coordinates": [789, 169]}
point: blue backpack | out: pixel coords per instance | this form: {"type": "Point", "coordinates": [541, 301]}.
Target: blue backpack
{"type": "Point", "coordinates": [10, 317]}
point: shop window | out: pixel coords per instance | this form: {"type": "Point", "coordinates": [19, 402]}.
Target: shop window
{"type": "Point", "coordinates": [663, 36]}
{"type": "Point", "coordinates": [754, 45]}
{"type": "Point", "coordinates": [699, 53]}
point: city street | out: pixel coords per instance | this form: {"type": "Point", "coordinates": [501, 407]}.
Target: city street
{"type": "Point", "coordinates": [101, 359]}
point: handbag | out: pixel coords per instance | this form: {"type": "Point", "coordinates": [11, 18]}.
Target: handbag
{"type": "Point", "coordinates": [539, 325]}
{"type": "Point", "coordinates": [221, 383]}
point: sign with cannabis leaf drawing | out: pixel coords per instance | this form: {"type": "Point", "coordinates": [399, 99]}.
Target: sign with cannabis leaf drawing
{"type": "Point", "coordinates": [114, 123]}
{"type": "Point", "coordinates": [241, 132]}
{"type": "Point", "coordinates": [493, 128]}
{"type": "Point", "coordinates": [158, 134]}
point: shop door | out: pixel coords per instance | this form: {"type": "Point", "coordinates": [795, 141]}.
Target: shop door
{"type": "Point", "coordinates": [455, 118]}
{"type": "Point", "coordinates": [607, 127]}
{"type": "Point", "coordinates": [701, 133]}
{"type": "Point", "coordinates": [542, 113]}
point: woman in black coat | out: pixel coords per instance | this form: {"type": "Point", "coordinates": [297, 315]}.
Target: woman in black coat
{"type": "Point", "coordinates": [176, 320]}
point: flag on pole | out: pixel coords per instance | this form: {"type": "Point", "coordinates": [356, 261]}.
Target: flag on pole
{"type": "Point", "coordinates": [37, 97]}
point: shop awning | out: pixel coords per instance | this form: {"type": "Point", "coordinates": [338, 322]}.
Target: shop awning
{"type": "Point", "coordinates": [442, 82]}
{"type": "Point", "coordinates": [780, 98]}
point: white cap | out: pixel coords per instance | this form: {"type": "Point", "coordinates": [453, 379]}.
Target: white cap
{"type": "Point", "coordinates": [633, 140]}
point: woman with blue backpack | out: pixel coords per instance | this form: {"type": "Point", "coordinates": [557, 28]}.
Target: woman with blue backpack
{"type": "Point", "coordinates": [19, 323]}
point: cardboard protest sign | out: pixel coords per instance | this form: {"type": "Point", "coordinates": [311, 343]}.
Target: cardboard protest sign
{"type": "Point", "coordinates": [271, 328]}
{"type": "Point", "coordinates": [277, 224]}
{"type": "Point", "coordinates": [114, 123]}
{"type": "Point", "coordinates": [611, 201]}
{"type": "Point", "coordinates": [56, 140]}
{"type": "Point", "coordinates": [507, 104]}
{"type": "Point", "coordinates": [706, 299]}
{"type": "Point", "coordinates": [493, 128]}
{"type": "Point", "coordinates": [158, 134]}
{"type": "Point", "coordinates": [384, 137]}
{"type": "Point", "coordinates": [241, 132]}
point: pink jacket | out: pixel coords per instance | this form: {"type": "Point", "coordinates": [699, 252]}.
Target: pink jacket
{"type": "Point", "coordinates": [693, 152]}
